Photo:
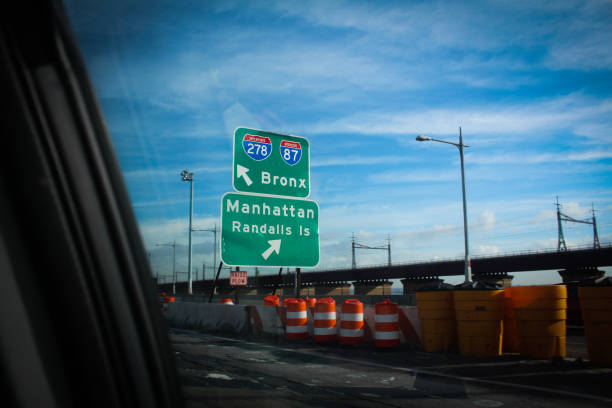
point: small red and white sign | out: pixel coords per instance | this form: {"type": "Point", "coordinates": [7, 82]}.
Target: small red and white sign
{"type": "Point", "coordinates": [238, 278]}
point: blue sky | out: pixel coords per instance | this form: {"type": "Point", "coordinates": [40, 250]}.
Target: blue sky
{"type": "Point", "coordinates": [530, 83]}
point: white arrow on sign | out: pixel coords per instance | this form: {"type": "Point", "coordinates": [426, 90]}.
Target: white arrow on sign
{"type": "Point", "coordinates": [242, 172]}
{"type": "Point", "coordinates": [274, 247]}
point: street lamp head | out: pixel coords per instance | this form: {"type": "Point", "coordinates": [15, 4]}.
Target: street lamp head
{"type": "Point", "coordinates": [186, 175]}
{"type": "Point", "coordinates": [422, 138]}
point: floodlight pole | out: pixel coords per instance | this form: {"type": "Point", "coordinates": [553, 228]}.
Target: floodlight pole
{"type": "Point", "coordinates": [187, 176]}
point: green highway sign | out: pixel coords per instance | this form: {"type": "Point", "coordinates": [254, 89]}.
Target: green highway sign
{"type": "Point", "coordinates": [271, 163]}
{"type": "Point", "coordinates": [260, 230]}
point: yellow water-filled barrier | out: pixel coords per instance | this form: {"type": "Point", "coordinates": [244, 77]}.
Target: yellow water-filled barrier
{"type": "Point", "coordinates": [479, 315]}
{"type": "Point", "coordinates": [540, 313]}
{"type": "Point", "coordinates": [437, 316]}
{"type": "Point", "coordinates": [510, 341]}
{"type": "Point", "coordinates": [596, 305]}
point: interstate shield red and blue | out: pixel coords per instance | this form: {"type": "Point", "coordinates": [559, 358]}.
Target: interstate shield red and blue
{"type": "Point", "coordinates": [291, 152]}
{"type": "Point", "coordinates": [257, 147]}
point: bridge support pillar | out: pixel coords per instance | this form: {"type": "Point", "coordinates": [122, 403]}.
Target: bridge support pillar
{"type": "Point", "coordinates": [411, 285]}
{"type": "Point", "coordinates": [372, 287]}
{"type": "Point", "coordinates": [580, 273]}
{"type": "Point", "coordinates": [499, 278]}
{"type": "Point", "coordinates": [331, 289]}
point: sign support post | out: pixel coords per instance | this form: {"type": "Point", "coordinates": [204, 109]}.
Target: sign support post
{"type": "Point", "coordinates": [237, 294]}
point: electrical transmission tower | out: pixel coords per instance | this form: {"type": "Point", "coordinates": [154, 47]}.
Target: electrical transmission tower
{"type": "Point", "coordinates": [561, 245]}
{"type": "Point", "coordinates": [355, 245]}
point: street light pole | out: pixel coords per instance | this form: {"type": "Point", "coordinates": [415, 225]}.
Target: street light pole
{"type": "Point", "coordinates": [460, 146]}
{"type": "Point", "coordinates": [467, 263]}
{"type": "Point", "coordinates": [187, 176]}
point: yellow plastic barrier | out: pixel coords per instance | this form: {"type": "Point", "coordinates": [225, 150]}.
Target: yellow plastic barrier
{"type": "Point", "coordinates": [540, 312]}
{"type": "Point", "coordinates": [479, 315]}
{"type": "Point", "coordinates": [437, 316]}
{"type": "Point", "coordinates": [596, 305]}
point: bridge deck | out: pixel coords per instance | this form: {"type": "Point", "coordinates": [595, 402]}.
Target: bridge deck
{"type": "Point", "coordinates": [522, 262]}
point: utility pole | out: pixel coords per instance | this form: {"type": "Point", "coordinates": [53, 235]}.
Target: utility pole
{"type": "Point", "coordinates": [389, 250]}
{"type": "Point", "coordinates": [595, 235]}
{"type": "Point", "coordinates": [561, 245]}
{"type": "Point", "coordinates": [214, 231]}
{"type": "Point", "coordinates": [386, 247]}
{"type": "Point", "coordinates": [354, 264]}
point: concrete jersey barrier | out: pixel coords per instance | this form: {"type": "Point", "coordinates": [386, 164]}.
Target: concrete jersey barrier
{"type": "Point", "coordinates": [260, 320]}
{"type": "Point", "coordinates": [211, 317]}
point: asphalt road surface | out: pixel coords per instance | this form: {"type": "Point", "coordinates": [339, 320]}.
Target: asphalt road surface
{"type": "Point", "coordinates": [220, 371]}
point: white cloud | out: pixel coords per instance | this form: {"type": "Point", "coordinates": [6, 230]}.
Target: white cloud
{"type": "Point", "coordinates": [575, 210]}
{"type": "Point", "coordinates": [576, 34]}
{"type": "Point", "coordinates": [487, 250]}
{"type": "Point", "coordinates": [527, 158]}
{"type": "Point", "coordinates": [238, 115]}
{"type": "Point", "coordinates": [168, 230]}
{"type": "Point", "coordinates": [486, 221]}
{"type": "Point", "coordinates": [409, 177]}
{"type": "Point", "coordinates": [351, 160]}
{"type": "Point", "coordinates": [490, 122]}
{"type": "Point", "coordinates": [584, 42]}
{"type": "Point", "coordinates": [403, 176]}
{"type": "Point", "coordinates": [157, 172]}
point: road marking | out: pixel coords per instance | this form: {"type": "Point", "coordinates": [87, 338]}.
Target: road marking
{"type": "Point", "coordinates": [414, 370]}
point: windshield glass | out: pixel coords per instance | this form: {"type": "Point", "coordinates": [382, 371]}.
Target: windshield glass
{"type": "Point", "coordinates": [529, 86]}
{"type": "Point", "coordinates": [389, 147]}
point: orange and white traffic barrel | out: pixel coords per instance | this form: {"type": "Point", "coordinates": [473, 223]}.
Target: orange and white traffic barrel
{"type": "Point", "coordinates": [351, 322]}
{"type": "Point", "coordinates": [226, 301]}
{"type": "Point", "coordinates": [271, 300]}
{"type": "Point", "coordinates": [387, 324]}
{"type": "Point", "coordinates": [297, 319]}
{"type": "Point", "coordinates": [325, 320]}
